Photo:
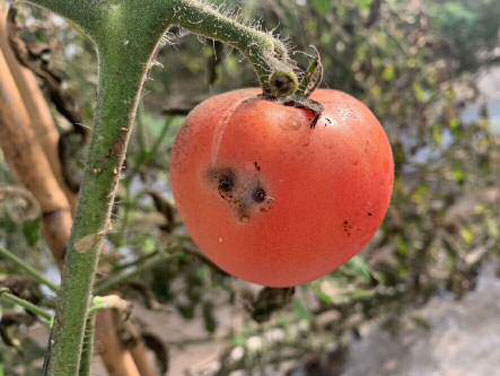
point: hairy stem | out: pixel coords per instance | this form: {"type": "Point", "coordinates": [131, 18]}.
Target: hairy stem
{"type": "Point", "coordinates": [123, 61]}
{"type": "Point", "coordinates": [88, 346]}
{"type": "Point", "coordinates": [267, 54]}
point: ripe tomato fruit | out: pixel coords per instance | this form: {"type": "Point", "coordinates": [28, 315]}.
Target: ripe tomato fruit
{"type": "Point", "coordinates": [274, 201]}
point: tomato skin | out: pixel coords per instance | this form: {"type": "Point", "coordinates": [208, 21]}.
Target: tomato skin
{"type": "Point", "coordinates": [270, 199]}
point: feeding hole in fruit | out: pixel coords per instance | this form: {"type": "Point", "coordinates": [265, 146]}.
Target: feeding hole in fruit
{"type": "Point", "coordinates": [259, 194]}
{"type": "Point", "coordinates": [226, 182]}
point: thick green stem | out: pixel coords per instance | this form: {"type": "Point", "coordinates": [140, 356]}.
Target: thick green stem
{"type": "Point", "coordinates": [124, 56]}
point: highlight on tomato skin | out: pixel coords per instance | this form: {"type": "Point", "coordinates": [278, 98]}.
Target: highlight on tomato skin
{"type": "Point", "coordinates": [274, 201]}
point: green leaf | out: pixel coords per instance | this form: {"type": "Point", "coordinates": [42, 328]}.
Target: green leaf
{"type": "Point", "coordinates": [322, 6]}
{"type": "Point", "coordinates": [459, 175]}
{"type": "Point", "coordinates": [300, 310]}
{"type": "Point", "coordinates": [32, 232]}
{"type": "Point", "coordinates": [389, 73]}
{"type": "Point", "coordinates": [468, 236]}
{"type": "Point", "coordinates": [420, 93]}
{"type": "Point", "coordinates": [360, 268]}
{"type": "Point", "coordinates": [437, 134]}
{"type": "Point", "coordinates": [322, 296]}
{"type": "Point", "coordinates": [364, 5]}
{"type": "Point", "coordinates": [403, 247]}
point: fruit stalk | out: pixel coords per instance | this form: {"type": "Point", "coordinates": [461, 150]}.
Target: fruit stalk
{"type": "Point", "coordinates": [267, 54]}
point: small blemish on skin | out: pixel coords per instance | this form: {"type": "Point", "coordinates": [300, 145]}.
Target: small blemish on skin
{"type": "Point", "coordinates": [327, 122]}
{"type": "Point", "coordinates": [369, 214]}
{"type": "Point", "coordinates": [257, 166]}
{"type": "Point", "coordinates": [267, 204]}
{"type": "Point", "coordinates": [347, 226]}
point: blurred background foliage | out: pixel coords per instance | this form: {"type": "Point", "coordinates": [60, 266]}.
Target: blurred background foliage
{"type": "Point", "coordinates": [415, 63]}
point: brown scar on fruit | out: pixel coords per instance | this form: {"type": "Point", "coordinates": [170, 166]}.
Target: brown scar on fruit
{"type": "Point", "coordinates": [244, 196]}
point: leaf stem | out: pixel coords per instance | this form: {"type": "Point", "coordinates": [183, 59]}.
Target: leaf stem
{"type": "Point", "coordinates": [6, 296]}
{"type": "Point", "coordinates": [28, 269]}
{"type": "Point", "coordinates": [117, 279]}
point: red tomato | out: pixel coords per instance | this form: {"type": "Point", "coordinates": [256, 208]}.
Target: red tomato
{"type": "Point", "coordinates": [274, 201]}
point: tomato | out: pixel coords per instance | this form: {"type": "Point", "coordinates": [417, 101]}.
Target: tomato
{"type": "Point", "coordinates": [270, 198]}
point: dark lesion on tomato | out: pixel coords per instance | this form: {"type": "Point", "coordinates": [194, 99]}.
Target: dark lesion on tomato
{"type": "Point", "coordinates": [258, 194]}
{"type": "Point", "coordinates": [224, 180]}
{"type": "Point", "coordinates": [244, 196]}
{"type": "Point", "coordinates": [262, 199]}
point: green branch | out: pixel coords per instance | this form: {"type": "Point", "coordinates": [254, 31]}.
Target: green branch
{"type": "Point", "coordinates": [32, 272]}
{"type": "Point", "coordinates": [115, 280]}
{"type": "Point", "coordinates": [267, 54]}
{"type": "Point", "coordinates": [6, 296]}
{"type": "Point", "coordinates": [121, 72]}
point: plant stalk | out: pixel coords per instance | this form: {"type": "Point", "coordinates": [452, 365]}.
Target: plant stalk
{"type": "Point", "coordinates": [123, 61]}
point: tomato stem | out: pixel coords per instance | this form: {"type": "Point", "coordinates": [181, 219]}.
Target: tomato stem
{"type": "Point", "coordinates": [268, 54]}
